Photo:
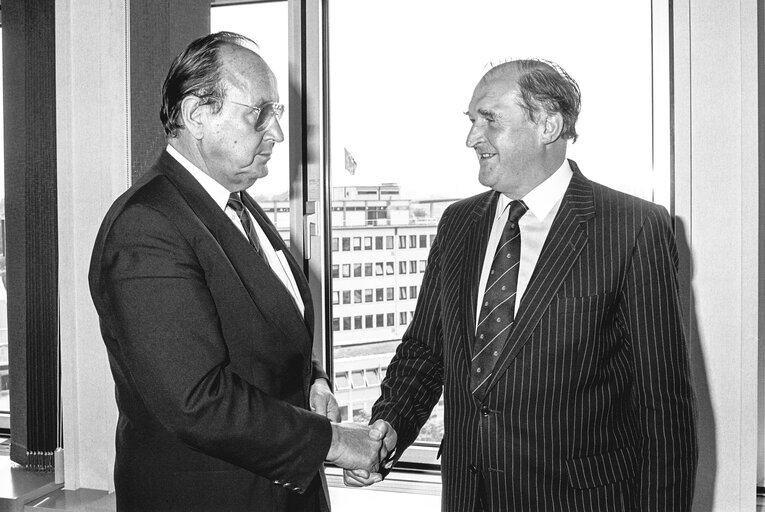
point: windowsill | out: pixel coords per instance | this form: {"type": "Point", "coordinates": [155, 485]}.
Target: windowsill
{"type": "Point", "coordinates": [425, 483]}
{"type": "Point", "coordinates": [19, 486]}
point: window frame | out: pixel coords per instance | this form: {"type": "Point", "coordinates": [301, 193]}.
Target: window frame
{"type": "Point", "coordinates": [309, 82]}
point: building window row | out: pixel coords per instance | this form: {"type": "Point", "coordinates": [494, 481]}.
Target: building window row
{"type": "Point", "coordinates": [372, 295]}
{"type": "Point", "coordinates": [350, 323]}
{"type": "Point", "coordinates": [362, 378]}
{"type": "Point", "coordinates": [380, 268]}
{"type": "Point", "coordinates": [371, 243]}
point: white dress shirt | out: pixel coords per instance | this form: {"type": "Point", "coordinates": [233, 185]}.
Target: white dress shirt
{"type": "Point", "coordinates": [543, 203]}
{"type": "Point", "coordinates": [276, 259]}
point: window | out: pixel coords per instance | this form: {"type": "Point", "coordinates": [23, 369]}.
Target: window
{"type": "Point", "coordinates": [346, 270]}
{"type": "Point", "coordinates": [368, 296]}
{"type": "Point", "coordinates": [346, 244]}
{"type": "Point", "coordinates": [335, 324]}
{"type": "Point", "coordinates": [346, 296]}
{"type": "Point", "coordinates": [357, 322]}
{"type": "Point", "coordinates": [341, 381]}
{"type": "Point", "coordinates": [367, 269]}
{"type": "Point", "coordinates": [357, 270]}
{"type": "Point", "coordinates": [373, 377]}
{"type": "Point", "coordinates": [406, 205]}
{"type": "Point", "coordinates": [367, 243]}
{"type": "Point", "coordinates": [335, 244]}
{"type": "Point", "coordinates": [335, 298]}
{"type": "Point", "coordinates": [335, 271]}
{"type": "Point", "coordinates": [357, 379]}
{"type": "Point", "coordinates": [356, 243]}
{"type": "Point", "coordinates": [356, 296]}
{"type": "Point", "coordinates": [369, 321]}
{"type": "Point", "coordinates": [346, 323]}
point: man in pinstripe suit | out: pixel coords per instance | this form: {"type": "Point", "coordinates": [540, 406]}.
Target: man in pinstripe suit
{"type": "Point", "coordinates": [587, 403]}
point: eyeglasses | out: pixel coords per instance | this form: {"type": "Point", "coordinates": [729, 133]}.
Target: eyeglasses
{"type": "Point", "coordinates": [265, 113]}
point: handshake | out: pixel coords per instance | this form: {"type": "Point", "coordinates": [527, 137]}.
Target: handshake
{"type": "Point", "coordinates": [364, 452]}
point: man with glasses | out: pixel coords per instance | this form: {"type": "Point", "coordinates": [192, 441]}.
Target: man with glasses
{"type": "Point", "coordinates": [206, 316]}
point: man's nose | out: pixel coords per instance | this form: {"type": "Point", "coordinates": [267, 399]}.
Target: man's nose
{"type": "Point", "coordinates": [275, 130]}
{"type": "Point", "coordinates": [473, 136]}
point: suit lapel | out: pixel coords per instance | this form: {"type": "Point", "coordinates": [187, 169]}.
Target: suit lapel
{"type": "Point", "coordinates": [266, 290]}
{"type": "Point", "coordinates": [276, 241]}
{"type": "Point", "coordinates": [473, 253]}
{"type": "Point", "coordinates": [565, 241]}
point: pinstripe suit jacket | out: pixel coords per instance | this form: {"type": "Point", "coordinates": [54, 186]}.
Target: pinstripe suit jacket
{"type": "Point", "coordinates": [590, 406]}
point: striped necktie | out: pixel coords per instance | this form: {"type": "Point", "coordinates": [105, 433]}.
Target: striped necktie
{"type": "Point", "coordinates": [235, 203]}
{"type": "Point", "coordinates": [498, 308]}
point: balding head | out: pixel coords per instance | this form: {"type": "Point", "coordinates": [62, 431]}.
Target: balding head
{"type": "Point", "coordinates": [542, 86]}
{"type": "Point", "coordinates": [197, 71]}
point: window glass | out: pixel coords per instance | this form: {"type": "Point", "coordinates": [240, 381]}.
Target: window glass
{"type": "Point", "coordinates": [404, 192]}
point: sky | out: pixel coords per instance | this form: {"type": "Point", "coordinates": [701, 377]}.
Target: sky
{"type": "Point", "coordinates": [401, 75]}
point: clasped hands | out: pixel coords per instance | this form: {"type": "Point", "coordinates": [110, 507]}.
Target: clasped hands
{"type": "Point", "coordinates": [359, 449]}
{"type": "Point", "coordinates": [362, 451]}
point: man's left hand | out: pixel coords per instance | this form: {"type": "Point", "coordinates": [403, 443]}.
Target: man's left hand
{"type": "Point", "coordinates": [323, 402]}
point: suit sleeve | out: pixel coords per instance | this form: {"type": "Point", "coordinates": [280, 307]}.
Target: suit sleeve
{"type": "Point", "coordinates": [414, 379]}
{"type": "Point", "coordinates": [172, 349]}
{"type": "Point", "coordinates": [661, 393]}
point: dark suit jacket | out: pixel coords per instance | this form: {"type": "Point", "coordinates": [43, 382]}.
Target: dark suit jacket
{"type": "Point", "coordinates": [590, 406]}
{"type": "Point", "coordinates": [211, 359]}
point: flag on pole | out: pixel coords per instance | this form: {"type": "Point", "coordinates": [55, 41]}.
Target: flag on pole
{"type": "Point", "coordinates": [350, 163]}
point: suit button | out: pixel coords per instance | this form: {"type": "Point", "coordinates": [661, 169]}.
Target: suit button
{"type": "Point", "coordinates": [485, 410]}
{"type": "Point", "coordinates": [473, 469]}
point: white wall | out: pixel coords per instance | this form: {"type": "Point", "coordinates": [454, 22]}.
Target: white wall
{"type": "Point", "coordinates": [92, 121]}
{"type": "Point", "coordinates": [716, 203]}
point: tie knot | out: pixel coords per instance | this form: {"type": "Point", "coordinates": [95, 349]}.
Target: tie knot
{"type": "Point", "coordinates": [235, 202]}
{"type": "Point", "coordinates": [517, 209]}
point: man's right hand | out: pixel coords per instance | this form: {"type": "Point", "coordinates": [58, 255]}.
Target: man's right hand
{"type": "Point", "coordinates": [384, 431]}
{"type": "Point", "coordinates": [353, 448]}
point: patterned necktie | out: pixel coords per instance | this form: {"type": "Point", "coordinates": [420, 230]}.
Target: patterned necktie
{"type": "Point", "coordinates": [498, 308]}
{"type": "Point", "coordinates": [235, 203]}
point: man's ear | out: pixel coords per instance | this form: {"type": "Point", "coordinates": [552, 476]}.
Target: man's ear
{"type": "Point", "coordinates": [552, 127]}
{"type": "Point", "coordinates": [193, 113]}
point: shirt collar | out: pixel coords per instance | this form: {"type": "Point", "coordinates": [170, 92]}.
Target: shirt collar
{"type": "Point", "coordinates": [218, 192]}
{"type": "Point", "coordinates": [541, 200]}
